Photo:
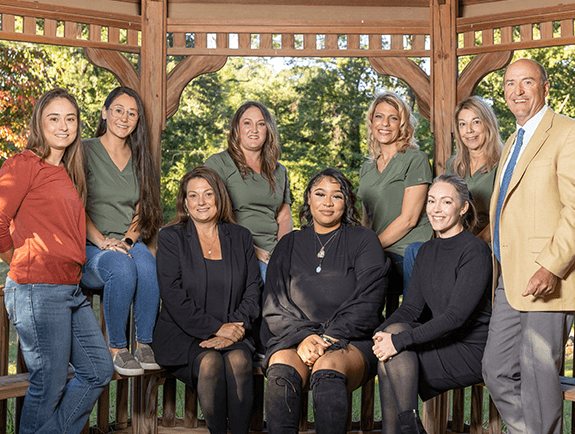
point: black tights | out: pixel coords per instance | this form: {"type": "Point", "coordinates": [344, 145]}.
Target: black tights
{"type": "Point", "coordinates": [398, 384]}
{"type": "Point", "coordinates": [224, 384]}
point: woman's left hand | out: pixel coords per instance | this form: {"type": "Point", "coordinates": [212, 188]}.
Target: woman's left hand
{"type": "Point", "coordinates": [262, 255]}
{"type": "Point", "coordinates": [217, 343]}
{"type": "Point", "coordinates": [383, 346]}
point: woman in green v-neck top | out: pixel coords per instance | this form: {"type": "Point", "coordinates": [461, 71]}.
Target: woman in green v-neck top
{"type": "Point", "coordinates": [258, 184]}
{"type": "Point", "coordinates": [124, 214]}
{"type": "Point", "coordinates": [393, 182]}
{"type": "Point", "coordinates": [478, 148]}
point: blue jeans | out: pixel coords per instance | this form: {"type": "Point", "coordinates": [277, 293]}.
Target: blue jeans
{"type": "Point", "coordinates": [125, 280]}
{"type": "Point", "coordinates": [409, 263]}
{"type": "Point", "coordinates": [263, 269]}
{"type": "Point", "coordinates": [57, 326]}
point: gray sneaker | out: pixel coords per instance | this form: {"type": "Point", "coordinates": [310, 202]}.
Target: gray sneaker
{"type": "Point", "coordinates": [145, 356]}
{"type": "Point", "coordinates": [125, 364]}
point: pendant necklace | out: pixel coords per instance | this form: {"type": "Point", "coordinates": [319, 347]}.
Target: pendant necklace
{"type": "Point", "coordinates": [321, 252]}
{"type": "Point", "coordinates": [212, 245]}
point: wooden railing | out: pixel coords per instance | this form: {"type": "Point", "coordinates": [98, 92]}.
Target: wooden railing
{"type": "Point", "coordinates": [136, 401]}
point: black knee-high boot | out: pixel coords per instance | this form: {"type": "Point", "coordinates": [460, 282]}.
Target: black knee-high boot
{"type": "Point", "coordinates": [330, 401]}
{"type": "Point", "coordinates": [283, 399]}
{"type": "Point", "coordinates": [411, 423]}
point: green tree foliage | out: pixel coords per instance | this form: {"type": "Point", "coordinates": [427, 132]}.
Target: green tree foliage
{"type": "Point", "coordinates": [319, 105]}
{"type": "Point", "coordinates": [558, 61]}
{"type": "Point", "coordinates": [24, 75]}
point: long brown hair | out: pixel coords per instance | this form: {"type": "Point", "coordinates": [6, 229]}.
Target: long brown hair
{"type": "Point", "coordinates": [270, 152]}
{"type": "Point", "coordinates": [491, 147]}
{"type": "Point", "coordinates": [223, 201]}
{"type": "Point", "coordinates": [73, 159]}
{"type": "Point", "coordinates": [407, 125]}
{"type": "Point", "coordinates": [149, 214]}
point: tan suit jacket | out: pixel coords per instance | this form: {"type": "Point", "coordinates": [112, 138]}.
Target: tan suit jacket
{"type": "Point", "coordinates": [537, 225]}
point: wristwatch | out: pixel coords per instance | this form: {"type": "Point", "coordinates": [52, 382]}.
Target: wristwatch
{"type": "Point", "coordinates": [129, 242]}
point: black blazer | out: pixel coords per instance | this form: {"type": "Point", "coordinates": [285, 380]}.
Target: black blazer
{"type": "Point", "coordinates": [182, 321]}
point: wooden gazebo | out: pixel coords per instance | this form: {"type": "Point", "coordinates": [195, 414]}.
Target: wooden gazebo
{"type": "Point", "coordinates": [388, 32]}
{"type": "Point", "coordinates": [206, 32]}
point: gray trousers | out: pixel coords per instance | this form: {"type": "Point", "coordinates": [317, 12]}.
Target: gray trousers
{"type": "Point", "coordinates": [521, 366]}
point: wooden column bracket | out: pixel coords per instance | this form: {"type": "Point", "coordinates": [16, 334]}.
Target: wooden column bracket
{"type": "Point", "coordinates": [186, 71]}
{"type": "Point", "coordinates": [117, 64]}
{"type": "Point", "coordinates": [479, 67]}
{"type": "Point", "coordinates": [405, 69]}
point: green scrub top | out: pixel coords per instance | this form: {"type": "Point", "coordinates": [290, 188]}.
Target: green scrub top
{"type": "Point", "coordinates": [255, 206]}
{"type": "Point", "coordinates": [481, 187]}
{"type": "Point", "coordinates": [112, 193]}
{"type": "Point", "coordinates": [382, 194]}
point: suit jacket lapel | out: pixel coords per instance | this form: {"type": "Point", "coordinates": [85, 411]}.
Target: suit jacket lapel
{"type": "Point", "coordinates": [226, 248]}
{"type": "Point", "coordinates": [535, 143]}
{"type": "Point", "coordinates": [198, 265]}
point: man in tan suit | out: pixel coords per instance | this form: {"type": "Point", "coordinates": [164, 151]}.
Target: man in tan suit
{"type": "Point", "coordinates": [533, 231]}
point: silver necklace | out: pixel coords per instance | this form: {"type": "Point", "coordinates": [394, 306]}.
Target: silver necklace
{"type": "Point", "coordinates": [321, 252]}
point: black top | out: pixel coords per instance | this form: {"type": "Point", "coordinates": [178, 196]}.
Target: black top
{"type": "Point", "coordinates": [344, 300]}
{"type": "Point", "coordinates": [318, 305]}
{"type": "Point", "coordinates": [216, 288]}
{"type": "Point", "coordinates": [182, 275]}
{"type": "Point", "coordinates": [452, 276]}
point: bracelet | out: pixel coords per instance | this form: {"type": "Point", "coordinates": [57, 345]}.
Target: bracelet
{"type": "Point", "coordinates": [327, 339]}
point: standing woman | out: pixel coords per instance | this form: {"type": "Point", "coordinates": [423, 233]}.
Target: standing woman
{"type": "Point", "coordinates": [257, 183]}
{"type": "Point", "coordinates": [478, 148]}
{"type": "Point", "coordinates": [393, 182]}
{"type": "Point", "coordinates": [42, 239]}
{"type": "Point", "coordinates": [452, 278]}
{"type": "Point", "coordinates": [211, 287]}
{"type": "Point", "coordinates": [124, 213]}
{"type": "Point", "coordinates": [322, 301]}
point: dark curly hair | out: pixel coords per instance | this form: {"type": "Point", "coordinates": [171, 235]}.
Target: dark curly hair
{"type": "Point", "coordinates": [350, 215]}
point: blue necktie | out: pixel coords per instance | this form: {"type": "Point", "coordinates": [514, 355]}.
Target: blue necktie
{"type": "Point", "coordinates": [503, 190]}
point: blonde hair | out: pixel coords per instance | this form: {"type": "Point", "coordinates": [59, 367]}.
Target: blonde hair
{"type": "Point", "coordinates": [407, 124]}
{"type": "Point", "coordinates": [491, 147]}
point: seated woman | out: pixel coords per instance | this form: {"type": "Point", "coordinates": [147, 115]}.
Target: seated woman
{"type": "Point", "coordinates": [124, 214]}
{"type": "Point", "coordinates": [324, 295]}
{"type": "Point", "coordinates": [210, 287]}
{"type": "Point", "coordinates": [452, 277]}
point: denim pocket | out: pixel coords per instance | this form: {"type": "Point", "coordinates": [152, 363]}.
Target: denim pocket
{"type": "Point", "coordinates": [10, 302]}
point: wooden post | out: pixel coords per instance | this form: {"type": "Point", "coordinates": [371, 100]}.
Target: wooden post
{"type": "Point", "coordinates": [153, 72]}
{"type": "Point", "coordinates": [443, 78]}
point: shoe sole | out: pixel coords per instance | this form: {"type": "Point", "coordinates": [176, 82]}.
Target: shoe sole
{"type": "Point", "coordinates": [149, 366]}
{"type": "Point", "coordinates": [128, 372]}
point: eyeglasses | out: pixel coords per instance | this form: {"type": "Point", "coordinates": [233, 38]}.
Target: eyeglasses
{"type": "Point", "coordinates": [118, 113]}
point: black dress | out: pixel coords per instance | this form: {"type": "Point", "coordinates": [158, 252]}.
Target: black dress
{"type": "Point", "coordinates": [452, 277]}
{"type": "Point", "coordinates": [343, 300]}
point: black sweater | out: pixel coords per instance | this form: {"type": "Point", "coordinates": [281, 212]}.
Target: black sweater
{"type": "Point", "coordinates": [452, 276]}
{"type": "Point", "coordinates": [286, 323]}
